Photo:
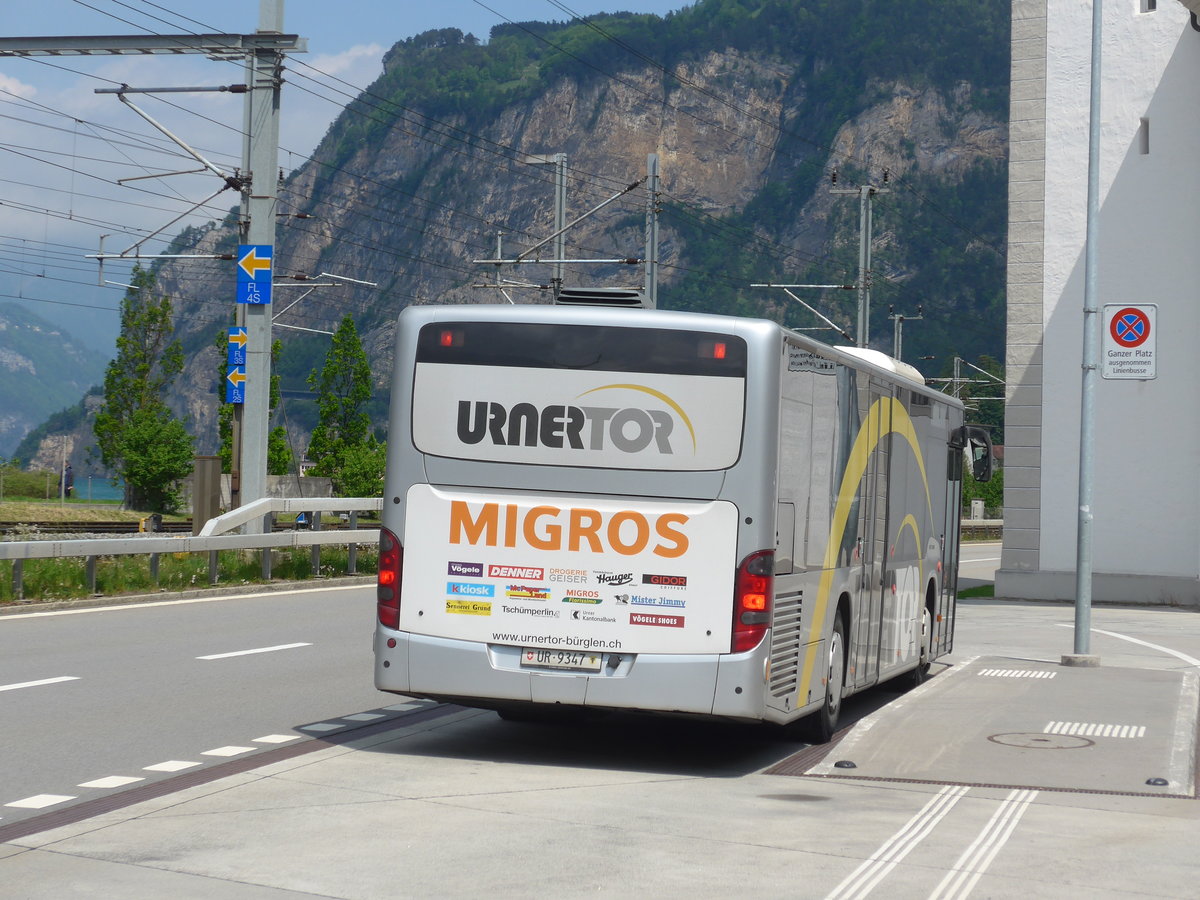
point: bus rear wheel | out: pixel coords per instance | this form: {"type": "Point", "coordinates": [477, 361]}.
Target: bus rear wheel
{"type": "Point", "coordinates": [918, 675]}
{"type": "Point", "coordinates": [823, 723]}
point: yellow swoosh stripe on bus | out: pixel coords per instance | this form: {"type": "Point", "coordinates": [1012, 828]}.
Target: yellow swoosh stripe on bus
{"type": "Point", "coordinates": [910, 522]}
{"type": "Point", "coordinates": [653, 393]}
{"type": "Point", "coordinates": [868, 438]}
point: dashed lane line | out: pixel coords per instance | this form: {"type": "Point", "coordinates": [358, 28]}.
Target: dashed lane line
{"type": "Point", "coordinates": [43, 801]}
{"type": "Point", "coordinates": [39, 683]}
{"type": "Point", "coordinates": [171, 765]}
{"type": "Point", "coordinates": [417, 710]}
{"type": "Point", "coordinates": [110, 781]}
{"type": "Point", "coordinates": [255, 650]}
{"type": "Point", "coordinates": [40, 801]}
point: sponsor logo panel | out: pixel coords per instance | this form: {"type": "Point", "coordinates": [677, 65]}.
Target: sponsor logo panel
{"type": "Point", "coordinates": [656, 619]}
{"type": "Point", "coordinates": [525, 573]}
{"type": "Point", "coordinates": [642, 600]}
{"type": "Point", "coordinates": [614, 579]}
{"type": "Point", "coordinates": [469, 607]}
{"type": "Point", "coordinates": [465, 569]}
{"type": "Point", "coordinates": [587, 615]}
{"type": "Point", "coordinates": [525, 592]}
{"type": "Point", "coordinates": [569, 576]}
{"type": "Point", "coordinates": [592, 598]}
{"type": "Point", "coordinates": [462, 589]}
{"type": "Point", "coordinates": [666, 581]}
{"type": "Point", "coordinates": [541, 612]}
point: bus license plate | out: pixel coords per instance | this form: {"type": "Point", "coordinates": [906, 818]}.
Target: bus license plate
{"type": "Point", "coordinates": [560, 659]}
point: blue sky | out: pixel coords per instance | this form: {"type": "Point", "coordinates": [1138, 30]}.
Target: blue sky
{"type": "Point", "coordinates": [59, 165]}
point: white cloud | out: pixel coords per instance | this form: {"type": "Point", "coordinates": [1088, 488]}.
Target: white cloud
{"type": "Point", "coordinates": [359, 59]}
{"type": "Point", "coordinates": [20, 88]}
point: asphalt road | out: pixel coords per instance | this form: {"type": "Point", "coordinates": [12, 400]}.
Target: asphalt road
{"type": "Point", "coordinates": [103, 693]}
{"type": "Point", "coordinates": [460, 801]}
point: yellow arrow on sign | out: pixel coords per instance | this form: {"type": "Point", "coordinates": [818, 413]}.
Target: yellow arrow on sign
{"type": "Point", "coordinates": [251, 263]}
{"type": "Point", "coordinates": [239, 338]}
{"type": "Point", "coordinates": [236, 378]}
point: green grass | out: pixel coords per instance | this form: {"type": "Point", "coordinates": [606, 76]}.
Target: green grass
{"type": "Point", "coordinates": [983, 590]}
{"type": "Point", "coordinates": [65, 578]}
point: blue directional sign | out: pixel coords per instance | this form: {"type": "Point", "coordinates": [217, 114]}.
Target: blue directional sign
{"type": "Point", "coordinates": [237, 347]}
{"type": "Point", "coordinates": [235, 384]}
{"type": "Point", "coordinates": [254, 273]}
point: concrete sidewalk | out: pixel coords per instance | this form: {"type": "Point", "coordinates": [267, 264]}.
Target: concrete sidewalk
{"type": "Point", "coordinates": [452, 802]}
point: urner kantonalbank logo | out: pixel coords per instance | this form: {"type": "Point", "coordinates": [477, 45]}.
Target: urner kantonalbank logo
{"type": "Point", "coordinates": [629, 429]}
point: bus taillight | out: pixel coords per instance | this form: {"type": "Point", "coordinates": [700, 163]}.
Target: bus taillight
{"type": "Point", "coordinates": [391, 566]}
{"type": "Point", "coordinates": [754, 592]}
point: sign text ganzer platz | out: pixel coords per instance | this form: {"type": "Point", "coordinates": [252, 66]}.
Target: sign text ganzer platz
{"type": "Point", "coordinates": [1129, 341]}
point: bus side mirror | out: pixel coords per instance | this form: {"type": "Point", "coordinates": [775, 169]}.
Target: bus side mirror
{"type": "Point", "coordinates": [977, 445]}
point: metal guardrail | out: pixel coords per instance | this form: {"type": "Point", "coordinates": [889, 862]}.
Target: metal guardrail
{"type": "Point", "coordinates": [213, 538]}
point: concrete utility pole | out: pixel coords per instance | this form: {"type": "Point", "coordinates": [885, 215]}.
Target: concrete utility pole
{"type": "Point", "coordinates": [865, 194]}
{"type": "Point", "coordinates": [260, 160]}
{"type": "Point", "coordinates": [651, 290]}
{"type": "Point", "coordinates": [898, 331]}
{"type": "Point", "coordinates": [559, 161]}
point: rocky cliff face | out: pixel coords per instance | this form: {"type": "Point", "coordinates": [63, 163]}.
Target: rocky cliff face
{"type": "Point", "coordinates": [411, 211]}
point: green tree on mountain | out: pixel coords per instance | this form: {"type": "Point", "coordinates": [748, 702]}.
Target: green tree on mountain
{"type": "Point", "coordinates": [139, 438]}
{"type": "Point", "coordinates": [343, 447]}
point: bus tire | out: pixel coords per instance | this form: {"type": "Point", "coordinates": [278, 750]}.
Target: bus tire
{"type": "Point", "coordinates": [919, 675]}
{"type": "Point", "coordinates": [823, 723]}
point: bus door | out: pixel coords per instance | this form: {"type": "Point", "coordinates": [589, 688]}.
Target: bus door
{"type": "Point", "coordinates": [952, 519]}
{"type": "Point", "coordinates": [873, 517]}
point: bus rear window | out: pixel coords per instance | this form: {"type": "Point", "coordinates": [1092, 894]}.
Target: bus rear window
{"type": "Point", "coordinates": [589, 396]}
{"type": "Point", "coordinates": [595, 347]}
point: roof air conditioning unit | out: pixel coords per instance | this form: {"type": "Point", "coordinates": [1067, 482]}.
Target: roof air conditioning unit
{"type": "Point", "coordinates": [628, 298]}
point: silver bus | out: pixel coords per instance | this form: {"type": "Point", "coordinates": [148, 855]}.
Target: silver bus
{"type": "Point", "coordinates": [628, 509]}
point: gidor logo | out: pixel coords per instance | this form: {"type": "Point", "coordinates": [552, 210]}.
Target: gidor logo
{"type": "Point", "coordinates": [629, 429]}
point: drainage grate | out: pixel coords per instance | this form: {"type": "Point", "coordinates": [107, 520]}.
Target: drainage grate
{"type": "Point", "coordinates": [1016, 673]}
{"type": "Point", "coordinates": [1091, 729]}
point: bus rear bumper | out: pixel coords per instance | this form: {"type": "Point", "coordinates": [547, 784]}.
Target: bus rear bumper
{"type": "Point", "coordinates": [727, 685]}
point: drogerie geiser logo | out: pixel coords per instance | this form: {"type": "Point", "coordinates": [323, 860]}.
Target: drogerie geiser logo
{"type": "Point", "coordinates": [629, 429]}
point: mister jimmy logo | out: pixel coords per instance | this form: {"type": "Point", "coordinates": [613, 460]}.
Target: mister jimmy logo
{"type": "Point", "coordinates": [630, 429]}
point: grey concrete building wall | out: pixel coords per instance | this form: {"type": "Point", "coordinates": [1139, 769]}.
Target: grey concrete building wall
{"type": "Point", "coordinates": [1026, 231]}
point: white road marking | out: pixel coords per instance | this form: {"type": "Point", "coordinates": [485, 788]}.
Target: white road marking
{"type": "Point", "coordinates": [227, 751]}
{"type": "Point", "coordinates": [969, 868]}
{"type": "Point", "coordinates": [321, 726]}
{"type": "Point", "coordinates": [1190, 660]}
{"type": "Point", "coordinates": [1092, 729]}
{"type": "Point", "coordinates": [364, 717]}
{"type": "Point", "coordinates": [411, 704]}
{"type": "Point", "coordinates": [153, 603]}
{"type": "Point", "coordinates": [40, 801]}
{"type": "Point", "coordinates": [276, 738]}
{"type": "Point", "coordinates": [111, 781]}
{"type": "Point", "coordinates": [255, 650]}
{"type": "Point", "coordinates": [1016, 673]}
{"type": "Point", "coordinates": [171, 765]}
{"type": "Point", "coordinates": [25, 684]}
{"type": "Point", "coordinates": [860, 882]}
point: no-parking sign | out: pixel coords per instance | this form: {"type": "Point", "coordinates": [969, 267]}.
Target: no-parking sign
{"type": "Point", "coordinates": [1129, 341]}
